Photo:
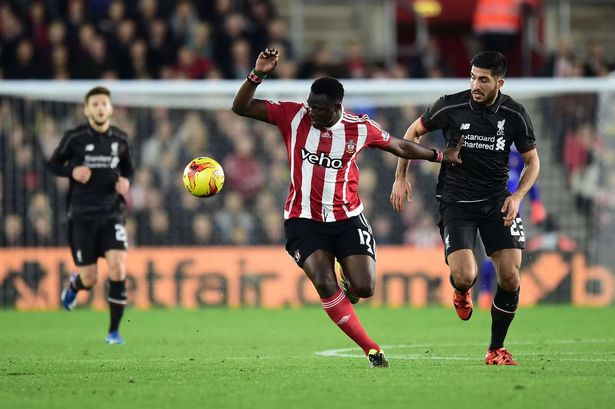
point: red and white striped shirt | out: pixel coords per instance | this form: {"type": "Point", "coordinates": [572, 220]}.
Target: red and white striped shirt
{"type": "Point", "coordinates": [323, 168]}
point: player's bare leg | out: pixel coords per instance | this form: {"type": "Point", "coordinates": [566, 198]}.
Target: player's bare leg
{"type": "Point", "coordinates": [84, 279]}
{"type": "Point", "coordinates": [463, 276]}
{"type": "Point", "coordinates": [319, 267]}
{"type": "Point", "coordinates": [358, 275]}
{"type": "Point", "coordinates": [116, 296]}
{"type": "Point", "coordinates": [504, 306]}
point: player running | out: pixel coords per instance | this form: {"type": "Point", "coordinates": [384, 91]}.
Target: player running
{"type": "Point", "coordinates": [473, 196]}
{"type": "Point", "coordinates": [96, 159]}
{"type": "Point", "coordinates": [323, 211]}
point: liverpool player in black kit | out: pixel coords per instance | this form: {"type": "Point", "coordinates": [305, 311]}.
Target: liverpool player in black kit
{"type": "Point", "coordinates": [96, 158]}
{"type": "Point", "coordinates": [473, 196]}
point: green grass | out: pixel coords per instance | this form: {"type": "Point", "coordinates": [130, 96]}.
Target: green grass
{"type": "Point", "coordinates": [224, 358]}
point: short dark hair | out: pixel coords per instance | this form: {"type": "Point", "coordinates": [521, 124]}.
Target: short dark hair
{"type": "Point", "coordinates": [491, 60]}
{"type": "Point", "coordinates": [97, 91]}
{"type": "Point", "coordinates": [330, 87]}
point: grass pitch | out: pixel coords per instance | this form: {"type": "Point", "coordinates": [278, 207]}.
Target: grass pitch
{"type": "Point", "coordinates": [297, 358]}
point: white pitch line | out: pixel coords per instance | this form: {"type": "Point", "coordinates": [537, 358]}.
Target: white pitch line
{"type": "Point", "coordinates": [553, 356]}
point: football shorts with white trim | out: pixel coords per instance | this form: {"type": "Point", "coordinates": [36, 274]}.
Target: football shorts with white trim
{"type": "Point", "coordinates": [344, 238]}
{"type": "Point", "coordinates": [460, 222]}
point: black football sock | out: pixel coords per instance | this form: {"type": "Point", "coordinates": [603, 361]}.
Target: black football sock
{"type": "Point", "coordinates": [78, 284]}
{"type": "Point", "coordinates": [117, 301]}
{"type": "Point", "coordinates": [502, 313]}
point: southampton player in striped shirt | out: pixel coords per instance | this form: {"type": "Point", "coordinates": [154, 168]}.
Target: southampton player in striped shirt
{"type": "Point", "coordinates": [323, 211]}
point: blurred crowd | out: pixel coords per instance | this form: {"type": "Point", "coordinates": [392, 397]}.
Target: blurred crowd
{"type": "Point", "coordinates": [249, 209]}
{"type": "Point", "coordinates": [142, 39]}
{"type": "Point", "coordinates": [187, 39]}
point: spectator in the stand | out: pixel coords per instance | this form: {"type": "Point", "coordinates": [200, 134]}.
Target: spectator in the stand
{"type": "Point", "coordinates": [138, 59]}
{"type": "Point", "coordinates": [355, 60]}
{"type": "Point", "coordinates": [242, 58]}
{"type": "Point", "coordinates": [202, 230]}
{"type": "Point", "coordinates": [40, 221]}
{"type": "Point", "coordinates": [597, 63]}
{"type": "Point", "coordinates": [562, 62]}
{"type": "Point", "coordinates": [244, 173]}
{"type": "Point", "coordinates": [147, 12]}
{"type": "Point", "coordinates": [145, 180]}
{"type": "Point", "coordinates": [577, 148]}
{"type": "Point", "coordinates": [74, 19]}
{"type": "Point", "coordinates": [233, 28]}
{"type": "Point", "coordinates": [158, 228]}
{"type": "Point", "coordinates": [79, 48]}
{"type": "Point", "coordinates": [428, 62]}
{"type": "Point", "coordinates": [584, 168]}
{"type": "Point", "coordinates": [194, 135]}
{"type": "Point", "coordinates": [278, 35]}
{"type": "Point", "coordinates": [116, 13]}
{"type": "Point", "coordinates": [320, 63]}
{"type": "Point", "coordinates": [232, 222]}
{"type": "Point", "coordinates": [190, 65]}
{"type": "Point", "coordinates": [97, 62]}
{"type": "Point", "coordinates": [497, 23]}
{"type": "Point", "coordinates": [200, 40]}
{"type": "Point", "coordinates": [183, 20]}
{"type": "Point", "coordinates": [13, 232]}
{"type": "Point", "coordinates": [11, 30]}
{"type": "Point", "coordinates": [60, 63]}
{"type": "Point", "coordinates": [125, 35]}
{"type": "Point", "coordinates": [37, 25]}
{"type": "Point", "coordinates": [259, 14]}
{"type": "Point", "coordinates": [161, 51]}
{"type": "Point", "coordinates": [162, 140]}
{"type": "Point", "coordinates": [25, 65]}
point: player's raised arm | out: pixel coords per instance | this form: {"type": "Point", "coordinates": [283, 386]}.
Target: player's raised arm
{"type": "Point", "coordinates": [244, 103]}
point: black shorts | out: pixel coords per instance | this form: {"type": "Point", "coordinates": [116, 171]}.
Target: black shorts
{"type": "Point", "coordinates": [459, 223]}
{"type": "Point", "coordinates": [90, 239]}
{"type": "Point", "coordinates": [342, 238]}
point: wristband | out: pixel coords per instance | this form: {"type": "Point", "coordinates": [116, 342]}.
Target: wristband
{"type": "Point", "coordinates": [256, 77]}
{"type": "Point", "coordinates": [437, 156]}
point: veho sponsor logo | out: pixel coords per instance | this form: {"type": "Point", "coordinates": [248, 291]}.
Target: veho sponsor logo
{"type": "Point", "coordinates": [321, 159]}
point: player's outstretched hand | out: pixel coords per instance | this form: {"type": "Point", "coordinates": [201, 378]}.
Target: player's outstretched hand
{"type": "Point", "coordinates": [122, 185]}
{"type": "Point", "coordinates": [81, 174]}
{"type": "Point", "coordinates": [267, 60]}
{"type": "Point", "coordinates": [402, 191]}
{"type": "Point", "coordinates": [452, 154]}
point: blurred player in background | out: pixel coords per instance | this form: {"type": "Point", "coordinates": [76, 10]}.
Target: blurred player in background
{"type": "Point", "coordinates": [538, 214]}
{"type": "Point", "coordinates": [473, 196]}
{"type": "Point", "coordinates": [323, 211]}
{"type": "Point", "coordinates": [96, 159]}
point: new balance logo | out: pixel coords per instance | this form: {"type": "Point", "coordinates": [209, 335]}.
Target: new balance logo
{"type": "Point", "coordinates": [321, 159]}
{"type": "Point", "coordinates": [464, 126]}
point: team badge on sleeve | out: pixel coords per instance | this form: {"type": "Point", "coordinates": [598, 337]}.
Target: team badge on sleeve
{"type": "Point", "coordinates": [385, 136]}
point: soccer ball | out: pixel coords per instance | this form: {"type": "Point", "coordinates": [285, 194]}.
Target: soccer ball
{"type": "Point", "coordinates": [203, 177]}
